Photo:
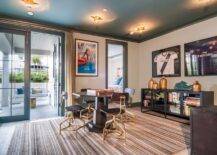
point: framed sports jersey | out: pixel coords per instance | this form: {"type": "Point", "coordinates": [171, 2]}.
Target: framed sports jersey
{"type": "Point", "coordinates": [201, 57]}
{"type": "Point", "coordinates": [166, 62]}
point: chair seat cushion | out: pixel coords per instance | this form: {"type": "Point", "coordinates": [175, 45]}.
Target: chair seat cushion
{"type": "Point", "coordinates": [74, 108]}
{"type": "Point", "coordinates": [115, 111]}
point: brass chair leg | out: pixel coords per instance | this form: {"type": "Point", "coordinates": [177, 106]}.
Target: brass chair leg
{"type": "Point", "coordinates": [82, 126]}
{"type": "Point", "coordinates": [128, 117]}
{"type": "Point", "coordinates": [69, 119]}
{"type": "Point", "coordinates": [114, 125]}
{"type": "Point", "coordinates": [104, 134]}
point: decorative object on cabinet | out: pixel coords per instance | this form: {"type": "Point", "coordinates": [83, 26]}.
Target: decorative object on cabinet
{"type": "Point", "coordinates": [155, 85]}
{"type": "Point", "coordinates": [163, 83]}
{"type": "Point", "coordinates": [200, 57]}
{"type": "Point", "coordinates": [166, 62]}
{"type": "Point", "coordinates": [182, 85]}
{"type": "Point", "coordinates": [150, 83]}
{"type": "Point", "coordinates": [174, 102]}
{"type": "Point", "coordinates": [86, 58]}
{"type": "Point", "coordinates": [196, 86]}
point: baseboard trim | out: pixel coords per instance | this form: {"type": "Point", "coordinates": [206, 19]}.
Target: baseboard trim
{"type": "Point", "coordinates": [135, 104]}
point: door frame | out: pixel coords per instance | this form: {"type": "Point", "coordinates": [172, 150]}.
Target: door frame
{"type": "Point", "coordinates": [61, 106]}
{"type": "Point", "coordinates": [27, 32]}
{"type": "Point", "coordinates": [125, 61]}
{"type": "Point", "coordinates": [26, 76]}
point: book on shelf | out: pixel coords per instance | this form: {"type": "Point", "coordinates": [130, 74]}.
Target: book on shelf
{"type": "Point", "coordinates": [187, 110]}
{"type": "Point", "coordinates": [192, 101]}
{"type": "Point", "coordinates": [148, 97]}
{"type": "Point", "coordinates": [174, 109]}
{"type": "Point", "coordinates": [174, 97]}
{"type": "Point", "coordinates": [146, 103]}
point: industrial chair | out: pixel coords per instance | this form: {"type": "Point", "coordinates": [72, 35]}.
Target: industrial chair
{"type": "Point", "coordinates": [81, 111]}
{"type": "Point", "coordinates": [126, 116]}
{"type": "Point", "coordinates": [116, 124]}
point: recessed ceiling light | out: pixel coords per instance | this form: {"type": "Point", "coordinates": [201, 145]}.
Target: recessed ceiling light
{"type": "Point", "coordinates": [104, 10]}
{"type": "Point", "coordinates": [30, 13]}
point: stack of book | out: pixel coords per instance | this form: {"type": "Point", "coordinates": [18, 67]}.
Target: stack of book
{"type": "Point", "coordinates": [192, 101]}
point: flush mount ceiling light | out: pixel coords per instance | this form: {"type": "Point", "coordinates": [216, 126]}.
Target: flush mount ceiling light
{"type": "Point", "coordinates": [104, 10]}
{"type": "Point", "coordinates": [138, 30]}
{"type": "Point", "coordinates": [199, 3]}
{"type": "Point", "coordinates": [96, 19]}
{"type": "Point", "coordinates": [30, 4]}
{"type": "Point", "coordinates": [205, 1]}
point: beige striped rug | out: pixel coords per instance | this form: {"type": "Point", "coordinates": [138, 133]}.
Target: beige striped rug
{"type": "Point", "coordinates": [147, 135]}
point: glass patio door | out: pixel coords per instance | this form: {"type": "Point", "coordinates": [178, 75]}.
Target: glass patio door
{"type": "Point", "coordinates": [14, 77]}
{"type": "Point", "coordinates": [58, 75]}
{"type": "Point", "coordinates": [59, 84]}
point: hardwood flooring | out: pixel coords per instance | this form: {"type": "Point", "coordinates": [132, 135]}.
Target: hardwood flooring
{"type": "Point", "coordinates": [147, 135]}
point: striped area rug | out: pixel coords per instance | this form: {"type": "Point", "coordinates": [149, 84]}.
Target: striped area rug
{"type": "Point", "coordinates": [147, 135]}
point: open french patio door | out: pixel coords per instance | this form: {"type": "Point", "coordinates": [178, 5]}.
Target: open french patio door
{"type": "Point", "coordinates": [14, 75]}
{"type": "Point", "coordinates": [59, 76]}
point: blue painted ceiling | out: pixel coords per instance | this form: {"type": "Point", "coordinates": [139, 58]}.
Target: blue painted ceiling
{"type": "Point", "coordinates": [158, 16]}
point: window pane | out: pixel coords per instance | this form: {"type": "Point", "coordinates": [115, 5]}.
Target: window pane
{"type": "Point", "coordinates": [115, 67]}
{"type": "Point", "coordinates": [17, 75]}
{"type": "Point", "coordinates": [5, 86]}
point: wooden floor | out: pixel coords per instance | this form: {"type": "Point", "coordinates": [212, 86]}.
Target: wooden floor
{"type": "Point", "coordinates": [147, 135]}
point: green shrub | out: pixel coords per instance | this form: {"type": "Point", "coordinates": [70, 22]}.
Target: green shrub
{"type": "Point", "coordinates": [39, 76]}
{"type": "Point", "coordinates": [16, 77]}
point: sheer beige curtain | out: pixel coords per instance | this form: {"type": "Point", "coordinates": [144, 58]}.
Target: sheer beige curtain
{"type": "Point", "coordinates": [70, 67]}
{"type": "Point", "coordinates": [69, 58]}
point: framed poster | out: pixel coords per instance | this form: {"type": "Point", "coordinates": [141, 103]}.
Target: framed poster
{"type": "Point", "coordinates": [86, 58]}
{"type": "Point", "coordinates": [166, 62]}
{"type": "Point", "coordinates": [201, 57]}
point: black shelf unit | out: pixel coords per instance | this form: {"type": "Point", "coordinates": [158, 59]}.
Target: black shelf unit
{"type": "Point", "coordinates": [173, 102]}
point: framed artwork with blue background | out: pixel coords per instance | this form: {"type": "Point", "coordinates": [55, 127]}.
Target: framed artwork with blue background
{"type": "Point", "coordinates": [86, 58]}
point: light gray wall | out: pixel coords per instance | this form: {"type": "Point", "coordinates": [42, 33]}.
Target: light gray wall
{"type": "Point", "coordinates": [99, 82]}
{"type": "Point", "coordinates": [188, 34]}
{"type": "Point", "coordinates": [140, 58]}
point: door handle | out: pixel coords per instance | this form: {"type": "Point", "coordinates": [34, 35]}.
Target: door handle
{"type": "Point", "coordinates": [64, 95]}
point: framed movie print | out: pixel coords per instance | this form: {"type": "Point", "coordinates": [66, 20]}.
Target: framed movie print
{"type": "Point", "coordinates": [201, 57]}
{"type": "Point", "coordinates": [166, 62]}
{"type": "Point", "coordinates": [86, 58]}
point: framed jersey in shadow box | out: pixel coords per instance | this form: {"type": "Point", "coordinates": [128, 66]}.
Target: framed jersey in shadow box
{"type": "Point", "coordinates": [201, 57]}
{"type": "Point", "coordinates": [166, 62]}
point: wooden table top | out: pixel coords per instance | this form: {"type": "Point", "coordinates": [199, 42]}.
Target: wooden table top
{"type": "Point", "coordinates": [92, 95]}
